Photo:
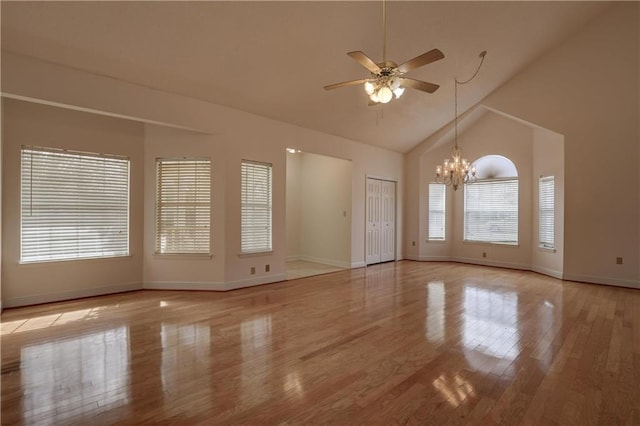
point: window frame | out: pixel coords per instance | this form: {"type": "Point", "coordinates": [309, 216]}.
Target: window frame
{"type": "Point", "coordinates": [443, 211]}
{"type": "Point", "coordinates": [266, 206]}
{"type": "Point", "coordinates": [550, 212]}
{"type": "Point", "coordinates": [517, 211]}
{"type": "Point", "coordinates": [93, 172]}
{"type": "Point", "coordinates": [188, 207]}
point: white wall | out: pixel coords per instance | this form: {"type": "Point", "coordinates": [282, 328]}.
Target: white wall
{"type": "Point", "coordinates": [325, 201]}
{"type": "Point", "coordinates": [293, 215]}
{"type": "Point", "coordinates": [587, 90]}
{"type": "Point", "coordinates": [239, 136]}
{"type": "Point", "coordinates": [32, 124]}
{"type": "Point", "coordinates": [548, 160]}
{"type": "Point", "coordinates": [176, 271]}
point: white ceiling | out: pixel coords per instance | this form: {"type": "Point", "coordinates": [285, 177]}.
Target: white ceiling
{"type": "Point", "coordinates": [273, 58]}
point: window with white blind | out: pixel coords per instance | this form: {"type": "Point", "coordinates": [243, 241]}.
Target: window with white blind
{"type": "Point", "coordinates": [74, 205]}
{"type": "Point", "coordinates": [546, 212]}
{"type": "Point", "coordinates": [491, 211]}
{"type": "Point", "coordinates": [183, 206]}
{"type": "Point", "coordinates": [255, 207]}
{"type": "Point", "coordinates": [436, 211]}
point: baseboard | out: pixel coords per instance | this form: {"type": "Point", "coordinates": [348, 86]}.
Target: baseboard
{"type": "Point", "coordinates": [359, 264]}
{"type": "Point", "coordinates": [293, 258]}
{"type": "Point", "coordinates": [507, 265]}
{"type": "Point", "coordinates": [184, 285]}
{"type": "Point", "coordinates": [603, 280]}
{"type": "Point", "coordinates": [332, 262]}
{"type": "Point", "coordinates": [69, 295]}
{"type": "Point", "coordinates": [546, 271]}
{"type": "Point", "coordinates": [250, 282]}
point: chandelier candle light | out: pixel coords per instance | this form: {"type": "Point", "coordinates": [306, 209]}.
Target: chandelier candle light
{"type": "Point", "coordinates": [457, 170]}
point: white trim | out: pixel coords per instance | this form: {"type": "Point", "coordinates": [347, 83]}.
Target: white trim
{"type": "Point", "coordinates": [508, 265]}
{"type": "Point", "coordinates": [181, 285]}
{"type": "Point", "coordinates": [603, 280]}
{"type": "Point", "coordinates": [69, 295]}
{"type": "Point", "coordinates": [293, 258]}
{"type": "Point", "coordinates": [435, 259]}
{"type": "Point", "coordinates": [546, 271]}
{"type": "Point", "coordinates": [332, 262]}
{"type": "Point", "coordinates": [250, 282]}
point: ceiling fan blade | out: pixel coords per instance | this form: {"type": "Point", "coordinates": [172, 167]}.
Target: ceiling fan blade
{"type": "Point", "coordinates": [345, 84]}
{"type": "Point", "coordinates": [365, 61]}
{"type": "Point", "coordinates": [424, 59]}
{"type": "Point", "coordinates": [419, 85]}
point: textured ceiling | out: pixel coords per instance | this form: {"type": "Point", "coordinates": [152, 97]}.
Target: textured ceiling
{"type": "Point", "coordinates": [273, 58]}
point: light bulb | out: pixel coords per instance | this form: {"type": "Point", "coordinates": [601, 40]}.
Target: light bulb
{"type": "Point", "coordinates": [398, 92]}
{"type": "Point", "coordinates": [385, 94]}
{"type": "Point", "coordinates": [369, 88]}
{"type": "Point", "coordinates": [395, 84]}
{"type": "Point", "coordinates": [374, 97]}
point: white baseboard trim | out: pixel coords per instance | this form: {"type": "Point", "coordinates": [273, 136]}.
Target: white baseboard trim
{"type": "Point", "coordinates": [183, 285]}
{"type": "Point", "coordinates": [250, 282]}
{"type": "Point", "coordinates": [546, 271]}
{"type": "Point", "coordinates": [508, 265]}
{"type": "Point", "coordinates": [358, 264]}
{"type": "Point", "coordinates": [69, 295]}
{"type": "Point", "coordinates": [332, 262]}
{"type": "Point", "coordinates": [603, 280]}
{"type": "Point", "coordinates": [293, 257]}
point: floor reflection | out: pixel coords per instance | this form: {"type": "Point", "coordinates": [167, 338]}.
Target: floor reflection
{"type": "Point", "coordinates": [491, 322]}
{"type": "Point", "coordinates": [256, 354]}
{"type": "Point", "coordinates": [454, 389]}
{"type": "Point", "coordinates": [64, 376]}
{"type": "Point", "coordinates": [435, 321]}
{"type": "Point", "coordinates": [184, 346]}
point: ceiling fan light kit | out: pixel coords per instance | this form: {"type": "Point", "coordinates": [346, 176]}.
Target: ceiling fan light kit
{"type": "Point", "coordinates": [387, 81]}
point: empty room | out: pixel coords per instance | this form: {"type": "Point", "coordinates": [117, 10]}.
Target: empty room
{"type": "Point", "coordinates": [320, 212]}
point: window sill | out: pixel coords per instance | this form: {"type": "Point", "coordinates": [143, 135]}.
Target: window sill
{"type": "Point", "coordinates": [78, 259]}
{"type": "Point", "coordinates": [547, 249]}
{"type": "Point", "coordinates": [436, 241]}
{"type": "Point", "coordinates": [183, 256]}
{"type": "Point", "coordinates": [488, 243]}
{"type": "Point", "coordinates": [255, 254]}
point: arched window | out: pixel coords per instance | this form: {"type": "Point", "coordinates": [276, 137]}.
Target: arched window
{"type": "Point", "coordinates": [491, 203]}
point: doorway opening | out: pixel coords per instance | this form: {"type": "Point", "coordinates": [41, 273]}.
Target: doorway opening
{"type": "Point", "coordinates": [318, 214]}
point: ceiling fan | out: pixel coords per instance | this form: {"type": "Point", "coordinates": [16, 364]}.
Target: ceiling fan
{"type": "Point", "coordinates": [387, 78]}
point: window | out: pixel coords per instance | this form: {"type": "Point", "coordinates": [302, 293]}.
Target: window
{"type": "Point", "coordinates": [256, 207]}
{"type": "Point", "coordinates": [183, 206]}
{"type": "Point", "coordinates": [491, 211]}
{"type": "Point", "coordinates": [546, 212]}
{"type": "Point", "coordinates": [436, 211]}
{"type": "Point", "coordinates": [74, 205]}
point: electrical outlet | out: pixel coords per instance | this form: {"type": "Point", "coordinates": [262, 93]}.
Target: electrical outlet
{"type": "Point", "coordinates": [618, 261]}
{"type": "Point", "coordinates": [267, 268]}
{"type": "Point", "coordinates": [253, 270]}
{"type": "Point", "coordinates": [484, 254]}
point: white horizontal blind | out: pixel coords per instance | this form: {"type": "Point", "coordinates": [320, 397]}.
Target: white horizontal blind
{"type": "Point", "coordinates": [491, 211]}
{"type": "Point", "coordinates": [183, 206]}
{"type": "Point", "coordinates": [436, 211]}
{"type": "Point", "coordinates": [74, 205]}
{"type": "Point", "coordinates": [546, 232]}
{"type": "Point", "coordinates": [256, 207]}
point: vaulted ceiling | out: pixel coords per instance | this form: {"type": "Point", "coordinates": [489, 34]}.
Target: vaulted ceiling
{"type": "Point", "coordinates": [273, 58]}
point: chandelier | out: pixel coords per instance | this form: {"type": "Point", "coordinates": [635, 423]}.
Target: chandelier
{"type": "Point", "coordinates": [457, 171]}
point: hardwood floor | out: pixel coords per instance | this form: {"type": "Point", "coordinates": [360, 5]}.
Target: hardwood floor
{"type": "Point", "coordinates": [302, 268]}
{"type": "Point", "coordinates": [416, 343]}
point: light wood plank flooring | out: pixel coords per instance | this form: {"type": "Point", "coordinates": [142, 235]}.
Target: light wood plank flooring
{"type": "Point", "coordinates": [398, 343]}
{"type": "Point", "coordinates": [302, 268]}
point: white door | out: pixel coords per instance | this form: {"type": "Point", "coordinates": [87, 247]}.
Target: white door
{"type": "Point", "coordinates": [373, 221]}
{"type": "Point", "coordinates": [388, 221]}
{"type": "Point", "coordinates": [381, 223]}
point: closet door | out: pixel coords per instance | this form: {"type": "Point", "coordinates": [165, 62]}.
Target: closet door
{"type": "Point", "coordinates": [381, 221]}
{"type": "Point", "coordinates": [388, 221]}
{"type": "Point", "coordinates": [372, 243]}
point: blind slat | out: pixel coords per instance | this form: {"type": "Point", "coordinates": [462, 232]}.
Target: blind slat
{"type": "Point", "coordinates": [491, 211]}
{"type": "Point", "coordinates": [74, 205]}
{"type": "Point", "coordinates": [256, 219]}
{"type": "Point", "coordinates": [436, 211]}
{"type": "Point", "coordinates": [546, 208]}
{"type": "Point", "coordinates": [183, 206]}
